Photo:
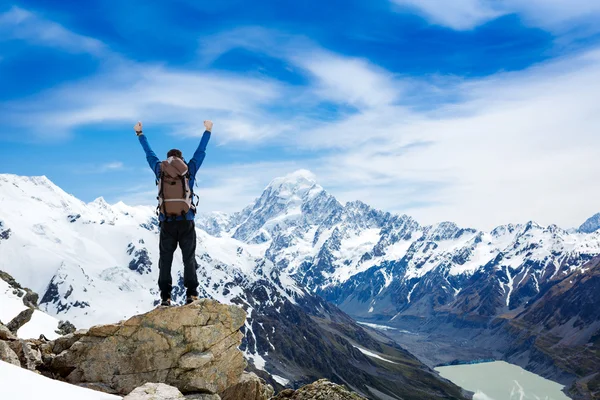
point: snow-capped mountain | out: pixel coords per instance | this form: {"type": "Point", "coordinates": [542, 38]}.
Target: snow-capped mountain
{"type": "Point", "coordinates": [390, 269]}
{"type": "Point", "coordinates": [95, 263]}
{"type": "Point", "coordinates": [592, 224]}
{"type": "Point", "coordinates": [377, 264]}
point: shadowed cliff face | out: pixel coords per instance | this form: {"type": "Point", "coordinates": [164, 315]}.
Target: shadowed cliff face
{"type": "Point", "coordinates": [563, 324]}
{"type": "Point", "coordinates": [319, 341]}
{"type": "Point", "coordinates": [556, 333]}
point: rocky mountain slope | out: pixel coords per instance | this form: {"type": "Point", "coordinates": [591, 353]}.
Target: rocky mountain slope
{"type": "Point", "coordinates": [297, 244]}
{"type": "Point", "coordinates": [562, 325]}
{"type": "Point", "coordinates": [96, 263]}
{"type": "Point", "coordinates": [443, 282]}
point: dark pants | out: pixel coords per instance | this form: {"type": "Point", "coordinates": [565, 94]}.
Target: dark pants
{"type": "Point", "coordinates": [171, 234]}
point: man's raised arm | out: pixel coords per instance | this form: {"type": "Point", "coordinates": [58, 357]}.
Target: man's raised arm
{"type": "Point", "coordinates": [198, 158]}
{"type": "Point", "coordinates": [153, 161]}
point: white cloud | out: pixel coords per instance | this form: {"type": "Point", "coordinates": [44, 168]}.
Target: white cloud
{"type": "Point", "coordinates": [129, 92]}
{"type": "Point", "coordinates": [513, 147]}
{"type": "Point", "coordinates": [20, 24]}
{"type": "Point", "coordinates": [111, 166]}
{"type": "Point", "coordinates": [555, 15]}
{"type": "Point", "coordinates": [522, 146]}
{"type": "Point", "coordinates": [349, 80]}
{"type": "Point", "coordinates": [345, 80]}
{"type": "Point", "coordinates": [456, 14]}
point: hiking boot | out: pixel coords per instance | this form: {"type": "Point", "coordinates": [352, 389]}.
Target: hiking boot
{"type": "Point", "coordinates": [191, 299]}
{"type": "Point", "coordinates": [166, 303]}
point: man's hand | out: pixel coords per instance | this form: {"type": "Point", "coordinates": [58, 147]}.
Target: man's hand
{"type": "Point", "coordinates": [138, 128]}
{"type": "Point", "coordinates": [208, 125]}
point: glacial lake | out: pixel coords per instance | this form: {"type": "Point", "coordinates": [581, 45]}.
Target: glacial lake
{"type": "Point", "coordinates": [500, 380]}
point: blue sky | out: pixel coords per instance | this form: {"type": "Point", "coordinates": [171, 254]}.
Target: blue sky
{"type": "Point", "coordinates": [478, 111]}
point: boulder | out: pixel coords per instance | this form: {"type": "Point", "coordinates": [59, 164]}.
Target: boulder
{"type": "Point", "coordinates": [65, 342]}
{"type": "Point", "coordinates": [30, 298]}
{"type": "Point", "coordinates": [193, 348]}
{"type": "Point", "coordinates": [250, 387]}
{"type": "Point", "coordinates": [29, 354]}
{"type": "Point", "coordinates": [65, 328]}
{"type": "Point", "coordinates": [8, 355]}
{"type": "Point", "coordinates": [155, 391]}
{"type": "Point", "coordinates": [21, 319]}
{"type": "Point", "coordinates": [319, 390]}
{"type": "Point", "coordinates": [6, 334]}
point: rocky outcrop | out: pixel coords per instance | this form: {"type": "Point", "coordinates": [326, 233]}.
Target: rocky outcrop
{"type": "Point", "coordinates": [28, 353]}
{"type": "Point", "coordinates": [194, 348]}
{"type": "Point", "coordinates": [155, 391]}
{"type": "Point", "coordinates": [321, 389]}
{"type": "Point", "coordinates": [65, 328]}
{"type": "Point", "coordinates": [160, 391]}
{"type": "Point", "coordinates": [250, 387]}
{"type": "Point", "coordinates": [6, 334]}
{"type": "Point", "coordinates": [21, 319]}
{"type": "Point", "coordinates": [8, 355]}
{"type": "Point", "coordinates": [30, 298]}
{"type": "Point", "coordinates": [18, 352]}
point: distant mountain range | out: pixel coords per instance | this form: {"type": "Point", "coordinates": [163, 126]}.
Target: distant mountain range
{"type": "Point", "coordinates": [95, 263]}
{"type": "Point", "coordinates": [529, 293]}
{"type": "Point", "coordinates": [523, 292]}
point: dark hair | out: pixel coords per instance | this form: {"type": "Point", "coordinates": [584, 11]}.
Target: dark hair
{"type": "Point", "coordinates": [175, 153]}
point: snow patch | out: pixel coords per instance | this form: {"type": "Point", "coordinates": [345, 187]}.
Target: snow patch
{"type": "Point", "coordinates": [281, 380]}
{"type": "Point", "coordinates": [373, 355]}
{"type": "Point", "coordinates": [376, 326]}
{"type": "Point", "coordinates": [20, 384]}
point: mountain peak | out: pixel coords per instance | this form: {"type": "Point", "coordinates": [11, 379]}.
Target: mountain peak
{"type": "Point", "coordinates": [301, 177]}
{"type": "Point", "coordinates": [100, 202]}
{"type": "Point", "coordinates": [592, 224]}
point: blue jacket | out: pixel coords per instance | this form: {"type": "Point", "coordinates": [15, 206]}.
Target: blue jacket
{"type": "Point", "coordinates": [193, 165]}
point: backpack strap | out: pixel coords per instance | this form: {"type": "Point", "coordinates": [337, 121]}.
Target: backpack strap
{"type": "Point", "coordinates": [162, 186]}
{"type": "Point", "coordinates": [183, 178]}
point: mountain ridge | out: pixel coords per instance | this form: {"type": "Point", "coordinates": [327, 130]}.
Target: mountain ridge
{"type": "Point", "coordinates": [95, 263]}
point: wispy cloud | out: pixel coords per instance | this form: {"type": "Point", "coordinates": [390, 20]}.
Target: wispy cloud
{"type": "Point", "coordinates": [554, 15]}
{"type": "Point", "coordinates": [111, 166]}
{"type": "Point", "coordinates": [107, 167]}
{"type": "Point", "coordinates": [21, 24]}
{"type": "Point", "coordinates": [368, 85]}
{"type": "Point", "coordinates": [456, 14]}
{"type": "Point", "coordinates": [510, 147]}
{"type": "Point", "coordinates": [151, 93]}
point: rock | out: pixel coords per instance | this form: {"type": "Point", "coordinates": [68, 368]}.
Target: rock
{"type": "Point", "coordinates": [28, 353]}
{"type": "Point", "coordinates": [20, 320]}
{"type": "Point", "coordinates": [65, 342]}
{"type": "Point", "coordinates": [6, 334]}
{"type": "Point", "coordinates": [8, 355]}
{"type": "Point", "coordinates": [250, 387]}
{"type": "Point", "coordinates": [320, 390]}
{"type": "Point", "coordinates": [155, 391]}
{"type": "Point", "coordinates": [193, 348]}
{"type": "Point", "coordinates": [30, 299]}
{"type": "Point", "coordinates": [65, 328]}
{"type": "Point", "coordinates": [202, 397]}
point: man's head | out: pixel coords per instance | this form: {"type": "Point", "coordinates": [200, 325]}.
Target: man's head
{"type": "Point", "coordinates": [175, 153]}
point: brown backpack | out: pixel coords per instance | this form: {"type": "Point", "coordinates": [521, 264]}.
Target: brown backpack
{"type": "Point", "coordinates": [174, 192]}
